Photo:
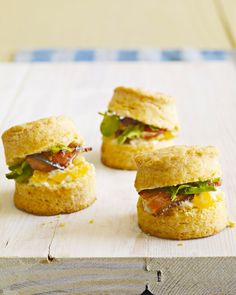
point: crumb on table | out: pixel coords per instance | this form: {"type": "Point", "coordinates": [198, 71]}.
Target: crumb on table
{"type": "Point", "coordinates": [231, 223]}
{"type": "Point", "coordinates": [91, 221]}
{"type": "Point", "coordinates": [62, 224]}
{"type": "Point", "coordinates": [180, 244]}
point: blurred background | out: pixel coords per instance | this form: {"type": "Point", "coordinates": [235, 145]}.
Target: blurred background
{"type": "Point", "coordinates": [47, 24]}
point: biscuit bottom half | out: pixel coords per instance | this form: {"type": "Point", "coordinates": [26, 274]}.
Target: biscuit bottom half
{"type": "Point", "coordinates": [184, 222]}
{"type": "Point", "coordinates": [68, 197]}
{"type": "Point", "coordinates": [121, 156]}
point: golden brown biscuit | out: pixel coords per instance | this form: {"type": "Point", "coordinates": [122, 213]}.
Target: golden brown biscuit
{"type": "Point", "coordinates": [38, 136]}
{"type": "Point", "coordinates": [121, 156]}
{"type": "Point", "coordinates": [155, 109]}
{"type": "Point", "coordinates": [59, 180]}
{"type": "Point", "coordinates": [142, 122]}
{"type": "Point", "coordinates": [168, 209]}
{"type": "Point", "coordinates": [176, 165]}
{"type": "Point", "coordinates": [58, 191]}
{"type": "Point", "coordinates": [184, 222]}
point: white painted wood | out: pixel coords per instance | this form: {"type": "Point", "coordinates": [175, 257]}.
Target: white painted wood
{"type": "Point", "coordinates": [12, 78]}
{"type": "Point", "coordinates": [205, 95]}
{"type": "Point", "coordinates": [206, 103]}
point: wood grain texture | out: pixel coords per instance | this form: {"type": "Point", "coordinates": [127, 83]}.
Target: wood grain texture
{"type": "Point", "coordinates": [205, 95]}
{"type": "Point", "coordinates": [74, 276]}
{"type": "Point", "coordinates": [194, 276]}
{"type": "Point", "coordinates": [172, 276]}
{"type": "Point", "coordinates": [109, 23]}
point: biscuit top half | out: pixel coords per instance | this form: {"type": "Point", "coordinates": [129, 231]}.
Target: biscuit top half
{"type": "Point", "coordinates": [176, 165]}
{"type": "Point", "coordinates": [154, 109]}
{"type": "Point", "coordinates": [38, 136]}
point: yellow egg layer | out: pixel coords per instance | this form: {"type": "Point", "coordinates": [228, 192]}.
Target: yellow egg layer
{"type": "Point", "coordinates": [77, 169]}
{"type": "Point", "coordinates": [167, 135]}
{"type": "Point", "coordinates": [207, 199]}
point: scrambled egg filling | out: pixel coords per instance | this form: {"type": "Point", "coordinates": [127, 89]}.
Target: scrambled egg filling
{"type": "Point", "coordinates": [166, 136]}
{"type": "Point", "coordinates": [78, 168]}
{"type": "Point", "coordinates": [207, 199]}
{"type": "Point", "coordinates": [202, 200]}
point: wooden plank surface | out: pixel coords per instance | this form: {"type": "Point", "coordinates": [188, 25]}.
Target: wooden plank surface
{"type": "Point", "coordinates": [205, 95]}
{"type": "Point", "coordinates": [193, 276]}
{"type": "Point", "coordinates": [100, 276]}
{"type": "Point", "coordinates": [110, 23]}
{"type": "Point", "coordinates": [74, 276]}
{"type": "Point", "coordinates": [12, 78]}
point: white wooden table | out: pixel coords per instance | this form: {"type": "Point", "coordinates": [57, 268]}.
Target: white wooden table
{"type": "Point", "coordinates": [70, 254]}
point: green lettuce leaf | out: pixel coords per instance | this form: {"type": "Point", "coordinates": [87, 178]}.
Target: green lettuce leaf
{"type": "Point", "coordinates": [130, 132]}
{"type": "Point", "coordinates": [153, 128]}
{"type": "Point", "coordinates": [191, 188]}
{"type": "Point", "coordinates": [57, 148]}
{"type": "Point", "coordinates": [21, 172]}
{"type": "Point", "coordinates": [110, 124]}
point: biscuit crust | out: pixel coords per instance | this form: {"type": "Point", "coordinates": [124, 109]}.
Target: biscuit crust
{"type": "Point", "coordinates": [121, 156]}
{"type": "Point", "coordinates": [150, 108]}
{"type": "Point", "coordinates": [182, 222]}
{"type": "Point", "coordinates": [42, 199]}
{"type": "Point", "coordinates": [176, 165]}
{"type": "Point", "coordinates": [38, 136]}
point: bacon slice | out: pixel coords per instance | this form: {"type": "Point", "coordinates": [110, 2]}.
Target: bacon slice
{"type": "Point", "coordinates": [64, 157]}
{"type": "Point", "coordinates": [159, 130]}
{"type": "Point", "coordinates": [48, 161]}
{"type": "Point", "coordinates": [217, 183]}
{"type": "Point", "coordinates": [38, 162]}
{"type": "Point", "coordinates": [128, 121]}
{"type": "Point", "coordinates": [157, 201]}
{"type": "Point", "coordinates": [148, 132]}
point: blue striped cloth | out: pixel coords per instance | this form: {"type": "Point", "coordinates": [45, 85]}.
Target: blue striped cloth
{"type": "Point", "coordinates": [122, 55]}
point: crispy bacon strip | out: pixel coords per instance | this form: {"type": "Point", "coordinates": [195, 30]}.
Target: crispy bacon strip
{"type": "Point", "coordinates": [150, 133]}
{"type": "Point", "coordinates": [128, 121]}
{"type": "Point", "coordinates": [48, 161]}
{"type": "Point", "coordinates": [158, 202]}
{"type": "Point", "coordinates": [38, 162]}
{"type": "Point", "coordinates": [147, 132]}
{"type": "Point", "coordinates": [217, 183]}
{"type": "Point", "coordinates": [149, 129]}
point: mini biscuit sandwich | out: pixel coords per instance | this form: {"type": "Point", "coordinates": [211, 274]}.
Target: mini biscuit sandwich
{"type": "Point", "coordinates": [136, 121]}
{"type": "Point", "coordinates": [45, 160]}
{"type": "Point", "coordinates": [180, 194]}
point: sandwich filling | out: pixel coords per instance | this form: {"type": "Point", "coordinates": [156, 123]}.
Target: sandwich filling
{"type": "Point", "coordinates": [125, 129]}
{"type": "Point", "coordinates": [57, 158]}
{"type": "Point", "coordinates": [202, 194]}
